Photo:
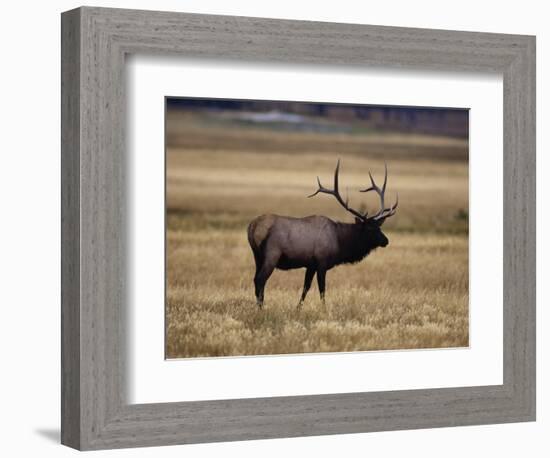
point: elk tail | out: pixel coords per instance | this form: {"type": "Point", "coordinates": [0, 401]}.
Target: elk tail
{"type": "Point", "coordinates": [258, 230]}
{"type": "Point", "coordinates": [251, 241]}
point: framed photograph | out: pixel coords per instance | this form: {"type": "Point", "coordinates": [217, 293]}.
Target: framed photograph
{"type": "Point", "coordinates": [230, 162]}
{"type": "Point", "coordinates": [277, 228]}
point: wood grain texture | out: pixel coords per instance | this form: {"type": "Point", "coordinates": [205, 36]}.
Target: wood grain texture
{"type": "Point", "coordinates": [70, 229]}
{"type": "Point", "coordinates": [95, 411]}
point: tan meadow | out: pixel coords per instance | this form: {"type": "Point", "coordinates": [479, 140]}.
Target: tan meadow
{"type": "Point", "coordinates": [411, 294]}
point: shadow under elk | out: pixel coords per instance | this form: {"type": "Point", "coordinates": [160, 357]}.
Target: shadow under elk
{"type": "Point", "coordinates": [316, 243]}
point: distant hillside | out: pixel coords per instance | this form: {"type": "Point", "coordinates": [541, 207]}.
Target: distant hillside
{"type": "Point", "coordinates": [451, 122]}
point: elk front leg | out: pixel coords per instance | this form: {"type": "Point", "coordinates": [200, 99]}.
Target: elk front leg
{"type": "Point", "coordinates": [321, 273]}
{"type": "Point", "coordinates": [310, 272]}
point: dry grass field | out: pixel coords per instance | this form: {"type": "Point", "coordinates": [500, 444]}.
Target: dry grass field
{"type": "Point", "coordinates": [220, 175]}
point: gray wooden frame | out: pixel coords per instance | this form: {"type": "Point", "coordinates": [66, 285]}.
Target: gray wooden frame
{"type": "Point", "coordinates": [95, 41]}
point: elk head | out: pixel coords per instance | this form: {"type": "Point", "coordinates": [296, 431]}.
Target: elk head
{"type": "Point", "coordinates": [369, 225]}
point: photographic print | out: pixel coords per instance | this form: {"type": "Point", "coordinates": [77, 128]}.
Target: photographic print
{"type": "Point", "coordinates": [306, 227]}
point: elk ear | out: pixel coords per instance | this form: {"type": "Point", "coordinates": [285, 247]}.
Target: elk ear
{"type": "Point", "coordinates": [358, 220]}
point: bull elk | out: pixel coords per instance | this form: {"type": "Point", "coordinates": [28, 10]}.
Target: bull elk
{"type": "Point", "coordinates": [316, 243]}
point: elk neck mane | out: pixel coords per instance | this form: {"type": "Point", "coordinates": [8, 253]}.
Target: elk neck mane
{"type": "Point", "coordinates": [354, 245]}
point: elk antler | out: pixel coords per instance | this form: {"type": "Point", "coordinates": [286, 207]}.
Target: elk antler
{"type": "Point", "coordinates": [334, 192]}
{"type": "Point", "coordinates": [384, 212]}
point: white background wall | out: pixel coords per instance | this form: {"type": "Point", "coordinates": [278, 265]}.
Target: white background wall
{"type": "Point", "coordinates": [30, 228]}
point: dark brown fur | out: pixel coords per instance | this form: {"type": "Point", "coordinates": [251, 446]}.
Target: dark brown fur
{"type": "Point", "coordinates": [315, 243]}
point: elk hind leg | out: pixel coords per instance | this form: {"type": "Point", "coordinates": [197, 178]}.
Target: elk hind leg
{"type": "Point", "coordinates": [258, 259]}
{"type": "Point", "coordinates": [262, 276]}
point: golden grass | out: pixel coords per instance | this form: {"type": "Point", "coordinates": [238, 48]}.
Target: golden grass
{"type": "Point", "coordinates": [407, 295]}
{"type": "Point", "coordinates": [411, 294]}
